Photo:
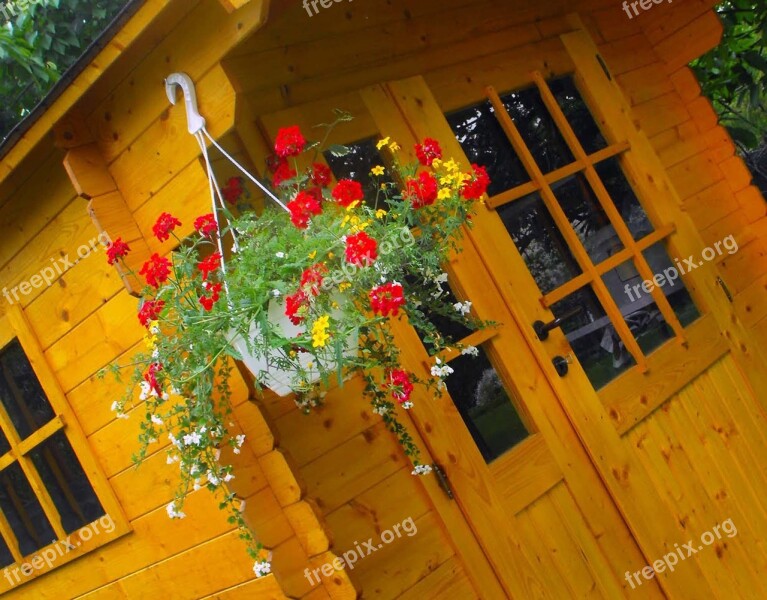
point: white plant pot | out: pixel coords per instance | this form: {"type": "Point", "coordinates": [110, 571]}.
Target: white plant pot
{"type": "Point", "coordinates": [279, 380]}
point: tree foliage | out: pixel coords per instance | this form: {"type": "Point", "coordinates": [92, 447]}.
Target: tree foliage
{"type": "Point", "coordinates": [733, 74]}
{"type": "Point", "coordinates": [38, 43]}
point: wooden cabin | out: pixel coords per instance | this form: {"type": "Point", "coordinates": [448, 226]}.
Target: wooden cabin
{"type": "Point", "coordinates": [618, 453]}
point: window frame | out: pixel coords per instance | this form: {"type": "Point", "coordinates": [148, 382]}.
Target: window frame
{"type": "Point", "coordinates": [67, 547]}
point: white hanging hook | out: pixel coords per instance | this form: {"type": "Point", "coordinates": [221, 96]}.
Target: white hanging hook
{"type": "Point", "coordinates": [195, 120]}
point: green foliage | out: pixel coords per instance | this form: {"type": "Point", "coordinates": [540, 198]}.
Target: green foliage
{"type": "Point", "coordinates": [733, 73]}
{"type": "Point", "coordinates": [38, 43]}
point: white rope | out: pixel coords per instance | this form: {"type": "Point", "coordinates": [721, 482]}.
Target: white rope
{"type": "Point", "coordinates": [245, 172]}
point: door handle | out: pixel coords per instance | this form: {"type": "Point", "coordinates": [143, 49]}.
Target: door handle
{"type": "Point", "coordinates": [542, 329]}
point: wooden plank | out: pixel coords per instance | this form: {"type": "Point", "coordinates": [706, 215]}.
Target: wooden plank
{"type": "Point", "coordinates": [264, 588]}
{"type": "Point", "coordinates": [282, 476]}
{"type": "Point", "coordinates": [130, 108]}
{"type": "Point", "coordinates": [447, 580]}
{"type": "Point", "coordinates": [304, 517]}
{"type": "Point", "coordinates": [165, 147]}
{"type": "Point", "coordinates": [87, 171]}
{"type": "Point", "coordinates": [635, 396]}
{"type": "Point", "coordinates": [526, 473]}
{"type": "Point", "coordinates": [691, 41]}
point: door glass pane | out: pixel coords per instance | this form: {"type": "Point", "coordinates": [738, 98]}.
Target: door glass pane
{"type": "Point", "coordinates": [448, 327]}
{"type": "Point", "coordinates": [578, 115]}
{"type": "Point", "coordinates": [623, 197]}
{"type": "Point", "coordinates": [67, 483]}
{"type": "Point", "coordinates": [485, 143]}
{"type": "Point", "coordinates": [538, 129]}
{"type": "Point", "coordinates": [20, 391]}
{"type": "Point", "coordinates": [6, 558]}
{"type": "Point", "coordinates": [593, 338]}
{"type": "Point", "coordinates": [480, 396]}
{"type": "Point", "coordinates": [23, 511]}
{"type": "Point", "coordinates": [539, 242]}
{"type": "Point", "coordinates": [671, 283]}
{"type": "Point", "coordinates": [587, 217]}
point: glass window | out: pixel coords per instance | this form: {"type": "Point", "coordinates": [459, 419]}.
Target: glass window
{"type": "Point", "coordinates": [539, 241]}
{"type": "Point", "coordinates": [49, 473]}
{"type": "Point", "coordinates": [622, 195]}
{"type": "Point", "coordinates": [480, 396]}
{"type": "Point", "coordinates": [577, 113]}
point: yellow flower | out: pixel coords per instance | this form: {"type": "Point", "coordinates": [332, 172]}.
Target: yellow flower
{"type": "Point", "coordinates": [353, 205]}
{"type": "Point", "coordinates": [344, 286]}
{"type": "Point", "coordinates": [383, 187]}
{"type": "Point", "coordinates": [331, 255]}
{"type": "Point", "coordinates": [436, 163]}
{"type": "Point", "coordinates": [320, 335]}
{"type": "Point", "coordinates": [292, 354]}
{"type": "Point", "coordinates": [378, 170]}
{"type": "Point", "coordinates": [444, 193]}
{"type": "Point", "coordinates": [380, 213]}
{"type": "Point", "coordinates": [382, 143]}
{"type": "Point", "coordinates": [312, 254]}
{"type": "Point", "coordinates": [394, 146]}
{"type": "Point", "coordinates": [446, 180]}
{"type": "Point", "coordinates": [334, 304]}
{"type": "Point", "coordinates": [451, 165]}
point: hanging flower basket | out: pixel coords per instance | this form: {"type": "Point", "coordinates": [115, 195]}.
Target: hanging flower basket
{"type": "Point", "coordinates": [302, 291]}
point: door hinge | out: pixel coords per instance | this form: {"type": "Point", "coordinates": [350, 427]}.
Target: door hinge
{"type": "Point", "coordinates": [443, 481]}
{"type": "Point", "coordinates": [602, 64]}
{"type": "Point", "coordinates": [724, 287]}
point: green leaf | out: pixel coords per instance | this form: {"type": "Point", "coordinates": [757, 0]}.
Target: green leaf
{"type": "Point", "coordinates": [338, 150]}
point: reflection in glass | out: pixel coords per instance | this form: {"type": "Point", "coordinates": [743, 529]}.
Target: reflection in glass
{"type": "Point", "coordinates": [587, 217]}
{"type": "Point", "coordinates": [22, 509]}
{"type": "Point", "coordinates": [578, 115]}
{"type": "Point", "coordinates": [622, 194]}
{"type": "Point", "coordinates": [480, 396]}
{"type": "Point", "coordinates": [537, 129]}
{"type": "Point", "coordinates": [66, 482]}
{"type": "Point", "coordinates": [593, 338]}
{"type": "Point", "coordinates": [485, 143]}
{"type": "Point", "coordinates": [539, 242]}
{"type": "Point", "coordinates": [21, 393]}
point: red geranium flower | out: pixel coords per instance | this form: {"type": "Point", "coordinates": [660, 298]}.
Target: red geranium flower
{"type": "Point", "coordinates": [117, 249]}
{"type": "Point", "coordinates": [212, 263]}
{"type": "Point", "coordinates": [156, 270]}
{"type": "Point", "coordinates": [233, 189]}
{"type": "Point", "coordinates": [151, 377]}
{"type": "Point", "coordinates": [164, 225]}
{"type": "Point", "coordinates": [400, 385]}
{"type": "Point", "coordinates": [206, 225]}
{"type": "Point", "coordinates": [208, 301]}
{"type": "Point", "coordinates": [150, 311]}
{"type": "Point", "coordinates": [386, 299]}
{"type": "Point", "coordinates": [422, 191]}
{"type": "Point", "coordinates": [361, 249]}
{"type": "Point", "coordinates": [347, 191]}
{"type": "Point", "coordinates": [302, 207]}
{"type": "Point", "coordinates": [289, 141]}
{"type": "Point", "coordinates": [293, 304]}
{"type": "Point", "coordinates": [311, 278]}
{"type": "Point", "coordinates": [321, 175]}
{"type": "Point", "coordinates": [428, 151]}
{"type": "Point", "coordinates": [282, 173]}
{"type": "Point", "coordinates": [474, 188]}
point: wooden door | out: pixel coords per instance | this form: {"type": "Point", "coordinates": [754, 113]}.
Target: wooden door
{"type": "Point", "coordinates": [579, 215]}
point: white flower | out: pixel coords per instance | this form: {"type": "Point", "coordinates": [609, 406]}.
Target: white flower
{"type": "Point", "coordinates": [236, 450]}
{"type": "Point", "coordinates": [407, 405]}
{"type": "Point", "coordinates": [173, 513]}
{"type": "Point", "coordinates": [228, 477]}
{"type": "Point", "coordinates": [171, 459]}
{"type": "Point", "coordinates": [441, 370]}
{"type": "Point", "coordinates": [440, 279]}
{"type": "Point", "coordinates": [175, 391]}
{"type": "Point", "coordinates": [212, 479]}
{"type": "Point", "coordinates": [463, 308]}
{"type": "Point", "coordinates": [280, 255]}
{"type": "Point", "coordinates": [262, 568]}
{"type": "Point", "coordinates": [115, 406]}
{"type": "Point", "coordinates": [192, 439]}
{"type": "Point", "coordinates": [421, 470]}
{"type": "Point", "coordinates": [156, 353]}
{"type": "Point", "coordinates": [196, 486]}
{"type": "Point", "coordinates": [470, 350]}
{"type": "Point", "coordinates": [156, 420]}
{"type": "Point", "coordinates": [194, 469]}
{"type": "Point", "coordinates": [217, 453]}
{"type": "Point", "coordinates": [122, 416]}
{"type": "Point", "coordinates": [240, 440]}
{"type": "Point", "coordinates": [276, 293]}
{"type": "Point", "coordinates": [203, 429]}
{"type": "Point", "coordinates": [145, 389]}
{"type": "Point", "coordinates": [242, 505]}
{"type": "Point", "coordinates": [380, 410]}
{"type": "Point", "coordinates": [174, 441]}
{"type": "Point", "coordinates": [151, 441]}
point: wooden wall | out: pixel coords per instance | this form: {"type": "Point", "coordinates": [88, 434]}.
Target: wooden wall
{"type": "Point", "coordinates": [340, 460]}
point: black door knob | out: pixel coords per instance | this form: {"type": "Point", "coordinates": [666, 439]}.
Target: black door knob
{"type": "Point", "coordinates": [542, 329]}
{"type": "Point", "coordinates": [561, 364]}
